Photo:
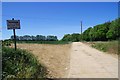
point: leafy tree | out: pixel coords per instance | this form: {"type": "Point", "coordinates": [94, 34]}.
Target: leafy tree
{"type": "Point", "coordinates": [75, 37]}
{"type": "Point", "coordinates": [67, 37]}
{"type": "Point", "coordinates": [114, 29]}
{"type": "Point", "coordinates": [52, 38]}
{"type": "Point", "coordinates": [35, 38]}
{"type": "Point", "coordinates": [71, 37]}
{"type": "Point", "coordinates": [101, 31]}
{"type": "Point", "coordinates": [86, 35]}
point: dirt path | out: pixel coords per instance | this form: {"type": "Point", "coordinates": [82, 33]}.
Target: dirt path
{"type": "Point", "coordinates": [87, 62]}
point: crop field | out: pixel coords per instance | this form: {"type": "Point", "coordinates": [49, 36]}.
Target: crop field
{"type": "Point", "coordinates": [55, 57]}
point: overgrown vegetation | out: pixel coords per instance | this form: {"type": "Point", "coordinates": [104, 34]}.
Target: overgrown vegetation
{"type": "Point", "coordinates": [110, 46]}
{"type": "Point", "coordinates": [6, 42]}
{"type": "Point", "coordinates": [20, 64]}
{"type": "Point", "coordinates": [102, 32]}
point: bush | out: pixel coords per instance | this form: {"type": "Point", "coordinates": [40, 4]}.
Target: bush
{"type": "Point", "coordinates": [6, 43]}
{"type": "Point", "coordinates": [20, 64]}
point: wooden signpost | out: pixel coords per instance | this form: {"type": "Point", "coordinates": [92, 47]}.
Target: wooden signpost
{"type": "Point", "coordinates": [13, 24]}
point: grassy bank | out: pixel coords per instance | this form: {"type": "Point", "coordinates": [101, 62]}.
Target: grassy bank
{"type": "Point", "coordinates": [20, 64]}
{"type": "Point", "coordinates": [109, 46]}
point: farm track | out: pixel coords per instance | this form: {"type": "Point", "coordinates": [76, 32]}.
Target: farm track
{"type": "Point", "coordinates": [87, 62]}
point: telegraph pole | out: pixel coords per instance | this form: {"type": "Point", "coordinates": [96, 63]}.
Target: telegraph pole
{"type": "Point", "coordinates": [81, 31]}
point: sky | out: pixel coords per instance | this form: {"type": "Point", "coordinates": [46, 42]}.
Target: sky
{"type": "Point", "coordinates": [60, 0]}
{"type": "Point", "coordinates": [56, 18]}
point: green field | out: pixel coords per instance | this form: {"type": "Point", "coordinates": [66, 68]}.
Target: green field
{"type": "Point", "coordinates": [8, 42]}
{"type": "Point", "coordinates": [45, 42]}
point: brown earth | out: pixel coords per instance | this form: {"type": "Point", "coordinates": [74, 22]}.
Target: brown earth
{"type": "Point", "coordinates": [55, 57]}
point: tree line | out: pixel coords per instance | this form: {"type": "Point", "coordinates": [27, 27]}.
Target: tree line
{"type": "Point", "coordinates": [102, 32]}
{"type": "Point", "coordinates": [35, 38]}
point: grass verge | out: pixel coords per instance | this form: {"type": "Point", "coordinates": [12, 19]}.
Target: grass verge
{"type": "Point", "coordinates": [21, 64]}
{"type": "Point", "coordinates": [110, 46]}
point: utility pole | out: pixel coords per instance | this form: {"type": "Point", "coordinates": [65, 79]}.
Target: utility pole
{"type": "Point", "coordinates": [81, 31]}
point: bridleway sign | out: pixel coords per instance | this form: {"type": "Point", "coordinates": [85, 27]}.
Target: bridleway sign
{"type": "Point", "coordinates": [13, 24]}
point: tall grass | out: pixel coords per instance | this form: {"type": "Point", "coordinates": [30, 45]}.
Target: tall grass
{"type": "Point", "coordinates": [110, 46]}
{"type": "Point", "coordinates": [21, 64]}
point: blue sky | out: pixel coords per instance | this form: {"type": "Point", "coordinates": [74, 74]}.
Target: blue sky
{"type": "Point", "coordinates": [56, 18]}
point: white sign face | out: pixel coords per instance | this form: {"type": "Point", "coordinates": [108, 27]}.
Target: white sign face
{"type": "Point", "coordinates": [13, 24]}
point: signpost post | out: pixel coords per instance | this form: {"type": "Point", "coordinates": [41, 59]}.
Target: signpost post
{"type": "Point", "coordinates": [13, 24]}
{"type": "Point", "coordinates": [14, 38]}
